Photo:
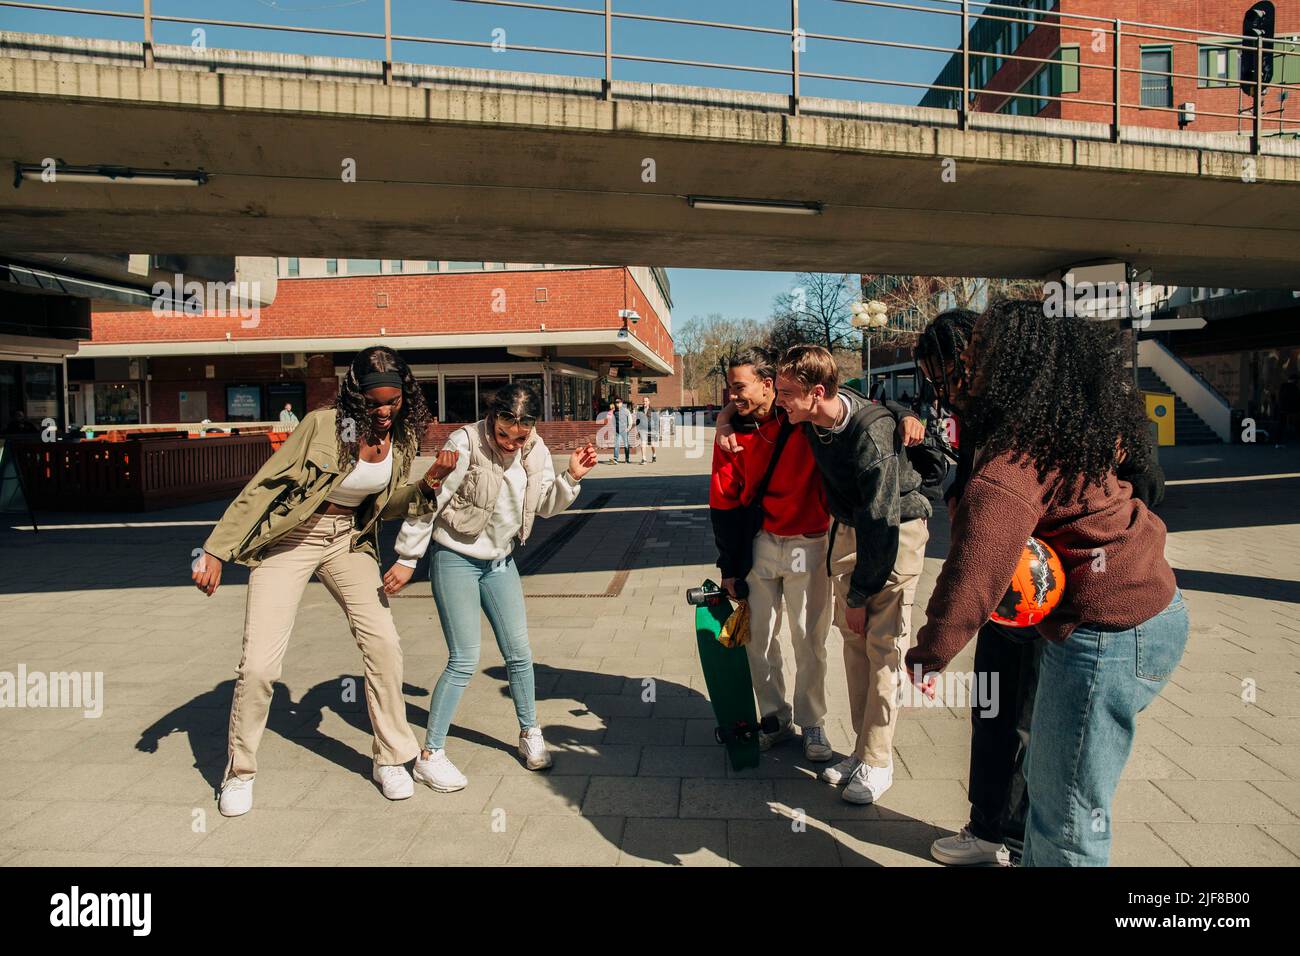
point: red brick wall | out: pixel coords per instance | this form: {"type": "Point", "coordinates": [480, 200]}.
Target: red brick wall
{"type": "Point", "coordinates": [1211, 16]}
{"type": "Point", "coordinates": [336, 306]}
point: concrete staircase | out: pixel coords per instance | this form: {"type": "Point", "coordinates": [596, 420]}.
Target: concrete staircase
{"type": "Point", "coordinates": [1189, 428]}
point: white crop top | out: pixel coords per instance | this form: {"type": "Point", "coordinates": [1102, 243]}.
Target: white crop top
{"type": "Point", "coordinates": [365, 479]}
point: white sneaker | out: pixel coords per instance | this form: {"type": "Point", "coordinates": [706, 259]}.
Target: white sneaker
{"type": "Point", "coordinates": [439, 773]}
{"type": "Point", "coordinates": [815, 745]}
{"type": "Point", "coordinates": [839, 774]}
{"type": "Point", "coordinates": [768, 741]}
{"type": "Point", "coordinates": [394, 780]}
{"type": "Point", "coordinates": [236, 797]}
{"type": "Point", "coordinates": [966, 849]}
{"type": "Point", "coordinates": [868, 783]}
{"type": "Point", "coordinates": [532, 748]}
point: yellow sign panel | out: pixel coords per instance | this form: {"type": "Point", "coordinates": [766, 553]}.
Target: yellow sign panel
{"type": "Point", "coordinates": [1160, 409]}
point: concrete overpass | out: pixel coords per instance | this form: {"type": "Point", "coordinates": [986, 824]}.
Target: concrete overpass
{"type": "Point", "coordinates": [479, 165]}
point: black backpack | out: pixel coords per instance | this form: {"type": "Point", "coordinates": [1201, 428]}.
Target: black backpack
{"type": "Point", "coordinates": [929, 459]}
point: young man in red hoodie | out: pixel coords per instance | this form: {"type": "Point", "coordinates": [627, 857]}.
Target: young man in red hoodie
{"type": "Point", "coordinates": [781, 564]}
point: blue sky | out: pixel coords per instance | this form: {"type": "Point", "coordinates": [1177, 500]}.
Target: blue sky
{"type": "Point", "coordinates": [695, 292]}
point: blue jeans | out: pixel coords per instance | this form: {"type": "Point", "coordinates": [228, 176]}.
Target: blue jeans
{"type": "Point", "coordinates": [461, 587]}
{"type": "Point", "coordinates": [1090, 690]}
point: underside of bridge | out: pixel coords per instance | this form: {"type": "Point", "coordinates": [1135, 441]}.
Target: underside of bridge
{"type": "Point", "coordinates": [520, 176]}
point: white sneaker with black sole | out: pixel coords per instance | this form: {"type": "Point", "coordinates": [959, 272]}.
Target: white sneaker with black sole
{"type": "Point", "coordinates": [532, 748]}
{"type": "Point", "coordinates": [966, 849]}
{"type": "Point", "coordinates": [236, 797]}
{"type": "Point", "coordinates": [437, 772]}
{"type": "Point", "coordinates": [869, 783]}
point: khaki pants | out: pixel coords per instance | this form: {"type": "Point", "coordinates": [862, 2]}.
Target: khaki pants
{"type": "Point", "coordinates": [874, 662]}
{"type": "Point", "coordinates": [790, 569]}
{"type": "Point", "coordinates": [275, 587]}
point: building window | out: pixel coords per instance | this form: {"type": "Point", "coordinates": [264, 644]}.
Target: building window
{"type": "Point", "coordinates": [465, 266]}
{"type": "Point", "coordinates": [292, 268]}
{"type": "Point", "coordinates": [1157, 83]}
{"type": "Point", "coordinates": [459, 393]}
{"type": "Point", "coordinates": [364, 267]}
{"type": "Point", "coordinates": [117, 403]}
{"type": "Point", "coordinates": [1219, 66]}
{"type": "Point", "coordinates": [395, 265]}
{"type": "Point", "coordinates": [331, 267]}
{"type": "Point", "coordinates": [431, 265]}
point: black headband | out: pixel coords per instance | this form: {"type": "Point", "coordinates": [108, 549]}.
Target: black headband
{"type": "Point", "coordinates": [379, 380]}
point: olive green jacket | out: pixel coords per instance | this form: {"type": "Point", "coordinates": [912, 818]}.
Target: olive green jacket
{"type": "Point", "coordinates": [294, 483]}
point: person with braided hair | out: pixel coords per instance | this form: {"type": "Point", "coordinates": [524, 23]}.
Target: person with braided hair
{"type": "Point", "coordinates": [315, 508]}
{"type": "Point", "coordinates": [1048, 416]}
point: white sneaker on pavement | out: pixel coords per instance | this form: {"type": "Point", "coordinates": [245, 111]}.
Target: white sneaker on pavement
{"type": "Point", "coordinates": [394, 780]}
{"type": "Point", "coordinates": [768, 741]}
{"type": "Point", "coordinates": [838, 774]}
{"type": "Point", "coordinates": [439, 773]}
{"type": "Point", "coordinates": [966, 849]}
{"type": "Point", "coordinates": [869, 783]}
{"type": "Point", "coordinates": [236, 797]}
{"type": "Point", "coordinates": [532, 748]}
{"type": "Point", "coordinates": [815, 745]}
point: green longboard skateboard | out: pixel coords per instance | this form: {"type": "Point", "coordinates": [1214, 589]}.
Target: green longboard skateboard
{"type": "Point", "coordinates": [726, 673]}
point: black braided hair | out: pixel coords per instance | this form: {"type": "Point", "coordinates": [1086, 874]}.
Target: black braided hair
{"type": "Point", "coordinates": [1054, 391]}
{"type": "Point", "coordinates": [409, 423]}
{"type": "Point", "coordinates": [941, 342]}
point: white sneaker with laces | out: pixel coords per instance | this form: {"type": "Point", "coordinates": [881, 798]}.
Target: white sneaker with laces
{"type": "Point", "coordinates": [966, 849]}
{"type": "Point", "coordinates": [768, 741]}
{"type": "Point", "coordinates": [236, 797]}
{"type": "Point", "coordinates": [839, 774]}
{"type": "Point", "coordinates": [869, 783]}
{"type": "Point", "coordinates": [394, 780]}
{"type": "Point", "coordinates": [438, 773]}
{"type": "Point", "coordinates": [815, 745]}
{"type": "Point", "coordinates": [532, 748]}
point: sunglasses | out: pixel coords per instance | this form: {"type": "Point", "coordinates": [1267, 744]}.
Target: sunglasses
{"type": "Point", "coordinates": [525, 421]}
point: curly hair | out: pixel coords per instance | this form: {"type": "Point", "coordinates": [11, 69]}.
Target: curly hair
{"type": "Point", "coordinates": [941, 342]}
{"type": "Point", "coordinates": [1055, 392]}
{"type": "Point", "coordinates": [409, 424]}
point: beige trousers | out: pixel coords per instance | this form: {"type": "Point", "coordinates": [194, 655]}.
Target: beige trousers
{"type": "Point", "coordinates": [873, 661]}
{"type": "Point", "coordinates": [275, 588]}
{"type": "Point", "coordinates": [789, 570]}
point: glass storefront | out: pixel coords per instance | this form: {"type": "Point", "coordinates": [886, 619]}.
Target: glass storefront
{"type": "Point", "coordinates": [460, 395]}
{"type": "Point", "coordinates": [34, 389]}
{"type": "Point", "coordinates": [117, 403]}
{"type": "Point", "coordinates": [466, 397]}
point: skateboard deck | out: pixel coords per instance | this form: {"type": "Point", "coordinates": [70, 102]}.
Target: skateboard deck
{"type": "Point", "coordinates": [731, 691]}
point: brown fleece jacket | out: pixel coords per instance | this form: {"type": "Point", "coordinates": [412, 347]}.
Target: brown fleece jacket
{"type": "Point", "coordinates": [1002, 506]}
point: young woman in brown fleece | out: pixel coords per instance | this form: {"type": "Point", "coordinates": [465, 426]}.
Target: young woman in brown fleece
{"type": "Point", "coordinates": [1046, 399]}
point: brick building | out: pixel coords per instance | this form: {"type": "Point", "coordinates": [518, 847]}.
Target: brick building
{"type": "Point", "coordinates": [578, 335]}
{"type": "Point", "coordinates": [1174, 76]}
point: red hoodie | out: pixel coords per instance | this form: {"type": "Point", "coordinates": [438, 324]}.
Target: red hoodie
{"type": "Point", "coordinates": [795, 503]}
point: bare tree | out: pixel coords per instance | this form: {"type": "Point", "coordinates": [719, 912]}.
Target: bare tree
{"type": "Point", "coordinates": [706, 343]}
{"type": "Point", "coordinates": [817, 310]}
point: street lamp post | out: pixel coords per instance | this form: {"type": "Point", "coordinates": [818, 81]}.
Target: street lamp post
{"type": "Point", "coordinates": [868, 316]}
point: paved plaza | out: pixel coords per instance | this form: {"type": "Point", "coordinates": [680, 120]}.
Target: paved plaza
{"type": "Point", "coordinates": [638, 779]}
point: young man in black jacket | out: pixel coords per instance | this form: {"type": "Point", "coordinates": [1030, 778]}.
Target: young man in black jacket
{"type": "Point", "coordinates": [876, 554]}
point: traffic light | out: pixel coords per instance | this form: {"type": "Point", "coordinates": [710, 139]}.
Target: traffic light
{"type": "Point", "coordinates": [1258, 23]}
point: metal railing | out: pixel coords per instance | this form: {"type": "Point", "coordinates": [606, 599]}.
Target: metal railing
{"type": "Point", "coordinates": [1114, 33]}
